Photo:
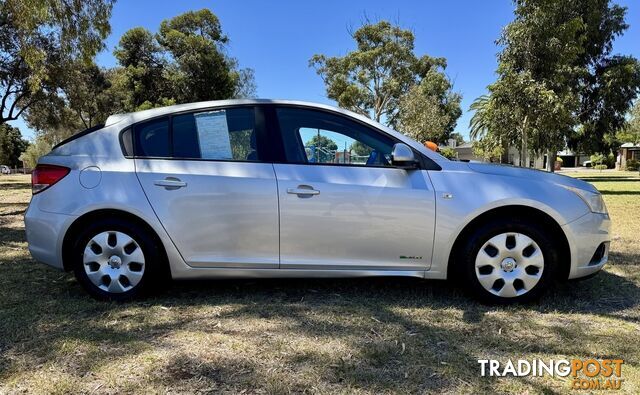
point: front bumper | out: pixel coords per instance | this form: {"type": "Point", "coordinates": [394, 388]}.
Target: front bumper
{"type": "Point", "coordinates": [589, 238]}
{"type": "Point", "coordinates": [45, 234]}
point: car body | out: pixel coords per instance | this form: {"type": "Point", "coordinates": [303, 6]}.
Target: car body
{"type": "Point", "coordinates": [266, 188]}
{"type": "Point", "coordinates": [5, 169]}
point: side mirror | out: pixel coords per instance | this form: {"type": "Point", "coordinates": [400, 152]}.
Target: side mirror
{"type": "Point", "coordinates": [402, 157]}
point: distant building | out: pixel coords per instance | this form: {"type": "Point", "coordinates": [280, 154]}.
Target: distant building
{"type": "Point", "coordinates": [573, 159]}
{"type": "Point", "coordinates": [511, 156]}
{"type": "Point", "coordinates": [627, 151]}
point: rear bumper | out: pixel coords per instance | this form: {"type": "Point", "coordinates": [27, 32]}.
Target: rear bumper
{"type": "Point", "coordinates": [45, 233]}
{"type": "Point", "coordinates": [589, 238]}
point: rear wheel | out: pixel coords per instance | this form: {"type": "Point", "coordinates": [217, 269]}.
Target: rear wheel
{"type": "Point", "coordinates": [508, 261]}
{"type": "Point", "coordinates": [114, 259]}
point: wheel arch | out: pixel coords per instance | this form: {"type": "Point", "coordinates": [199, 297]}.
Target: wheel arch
{"type": "Point", "coordinates": [520, 211]}
{"type": "Point", "coordinates": [94, 215]}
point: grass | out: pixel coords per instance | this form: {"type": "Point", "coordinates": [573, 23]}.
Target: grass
{"type": "Point", "coordinates": [315, 336]}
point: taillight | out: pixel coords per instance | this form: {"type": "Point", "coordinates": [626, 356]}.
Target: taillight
{"type": "Point", "coordinates": [43, 176]}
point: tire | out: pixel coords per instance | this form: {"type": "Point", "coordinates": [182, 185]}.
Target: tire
{"type": "Point", "coordinates": [117, 260]}
{"type": "Point", "coordinates": [523, 268]}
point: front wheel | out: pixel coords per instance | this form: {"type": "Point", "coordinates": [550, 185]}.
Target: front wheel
{"type": "Point", "coordinates": [114, 259]}
{"type": "Point", "coordinates": [508, 261]}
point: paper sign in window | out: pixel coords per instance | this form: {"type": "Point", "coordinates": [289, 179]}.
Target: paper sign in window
{"type": "Point", "coordinates": [213, 135]}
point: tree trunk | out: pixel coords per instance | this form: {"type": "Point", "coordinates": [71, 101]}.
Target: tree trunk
{"type": "Point", "coordinates": [551, 161]}
{"type": "Point", "coordinates": [524, 161]}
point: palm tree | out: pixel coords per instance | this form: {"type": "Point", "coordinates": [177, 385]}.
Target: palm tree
{"type": "Point", "coordinates": [479, 124]}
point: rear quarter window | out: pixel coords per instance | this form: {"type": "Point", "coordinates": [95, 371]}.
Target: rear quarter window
{"type": "Point", "coordinates": [152, 138]}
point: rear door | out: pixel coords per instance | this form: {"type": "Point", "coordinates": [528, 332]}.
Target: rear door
{"type": "Point", "coordinates": [205, 177]}
{"type": "Point", "coordinates": [342, 205]}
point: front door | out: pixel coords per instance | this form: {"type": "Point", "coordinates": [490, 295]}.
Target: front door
{"type": "Point", "coordinates": [342, 204]}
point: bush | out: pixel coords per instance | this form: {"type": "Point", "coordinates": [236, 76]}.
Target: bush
{"type": "Point", "coordinates": [633, 164]}
{"type": "Point", "coordinates": [610, 160]}
{"type": "Point", "coordinates": [449, 153]}
{"type": "Point", "coordinates": [600, 167]}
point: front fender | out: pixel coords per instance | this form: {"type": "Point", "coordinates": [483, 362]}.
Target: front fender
{"type": "Point", "coordinates": [462, 195]}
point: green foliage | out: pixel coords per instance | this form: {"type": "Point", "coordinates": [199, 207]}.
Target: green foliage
{"type": "Point", "coordinates": [489, 147]}
{"type": "Point", "coordinates": [39, 39]}
{"type": "Point", "coordinates": [202, 71]}
{"type": "Point", "coordinates": [449, 153]}
{"type": "Point", "coordinates": [597, 159]}
{"type": "Point", "coordinates": [630, 133]}
{"type": "Point", "coordinates": [458, 137]}
{"type": "Point", "coordinates": [184, 62]}
{"type": "Point", "coordinates": [632, 165]}
{"type": "Point", "coordinates": [610, 160]}
{"type": "Point", "coordinates": [360, 149]}
{"type": "Point", "coordinates": [88, 95]}
{"type": "Point", "coordinates": [143, 70]}
{"type": "Point", "coordinates": [383, 79]}
{"type": "Point", "coordinates": [556, 73]}
{"type": "Point", "coordinates": [600, 167]}
{"type": "Point", "coordinates": [319, 140]}
{"type": "Point", "coordinates": [12, 145]}
{"type": "Point", "coordinates": [322, 145]}
{"type": "Point", "coordinates": [35, 151]}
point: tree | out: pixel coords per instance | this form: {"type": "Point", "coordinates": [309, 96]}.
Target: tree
{"type": "Point", "coordinates": [608, 83]}
{"type": "Point", "coordinates": [149, 74]}
{"type": "Point", "coordinates": [457, 137]}
{"type": "Point", "coordinates": [87, 96]}
{"type": "Point", "coordinates": [38, 41]}
{"type": "Point", "coordinates": [324, 147]}
{"type": "Point", "coordinates": [196, 42]}
{"type": "Point", "coordinates": [427, 114]}
{"type": "Point", "coordinates": [144, 69]}
{"type": "Point", "coordinates": [360, 149]}
{"type": "Point", "coordinates": [12, 145]}
{"type": "Point", "coordinates": [184, 62]}
{"type": "Point", "coordinates": [35, 151]}
{"type": "Point", "coordinates": [383, 78]}
{"type": "Point", "coordinates": [630, 133]}
{"type": "Point", "coordinates": [549, 77]}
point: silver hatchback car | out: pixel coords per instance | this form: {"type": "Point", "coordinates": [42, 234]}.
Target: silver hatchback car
{"type": "Point", "coordinates": [263, 188]}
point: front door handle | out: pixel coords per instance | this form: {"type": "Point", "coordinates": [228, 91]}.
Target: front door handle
{"type": "Point", "coordinates": [170, 183]}
{"type": "Point", "coordinates": [303, 191]}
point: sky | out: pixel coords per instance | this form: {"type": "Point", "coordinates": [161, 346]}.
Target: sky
{"type": "Point", "coordinates": [277, 38]}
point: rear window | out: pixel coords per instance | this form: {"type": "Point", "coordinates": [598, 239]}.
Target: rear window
{"type": "Point", "coordinates": [152, 138]}
{"type": "Point", "coordinates": [228, 134]}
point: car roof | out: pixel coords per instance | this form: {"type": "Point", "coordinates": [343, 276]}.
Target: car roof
{"type": "Point", "coordinates": [132, 117]}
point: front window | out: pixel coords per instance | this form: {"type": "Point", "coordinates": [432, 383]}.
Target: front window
{"type": "Point", "coordinates": [316, 137]}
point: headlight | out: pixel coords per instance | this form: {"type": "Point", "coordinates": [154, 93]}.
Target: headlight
{"type": "Point", "coordinates": [593, 200]}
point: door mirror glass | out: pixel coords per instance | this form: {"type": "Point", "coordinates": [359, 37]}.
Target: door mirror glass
{"type": "Point", "coordinates": [402, 156]}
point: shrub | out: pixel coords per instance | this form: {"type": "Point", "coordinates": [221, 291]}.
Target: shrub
{"type": "Point", "coordinates": [449, 153]}
{"type": "Point", "coordinates": [600, 167]}
{"type": "Point", "coordinates": [610, 160]}
{"type": "Point", "coordinates": [597, 159]}
{"type": "Point", "coordinates": [633, 164]}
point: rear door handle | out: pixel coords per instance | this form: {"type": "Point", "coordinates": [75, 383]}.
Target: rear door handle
{"type": "Point", "coordinates": [170, 183]}
{"type": "Point", "coordinates": [303, 191]}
